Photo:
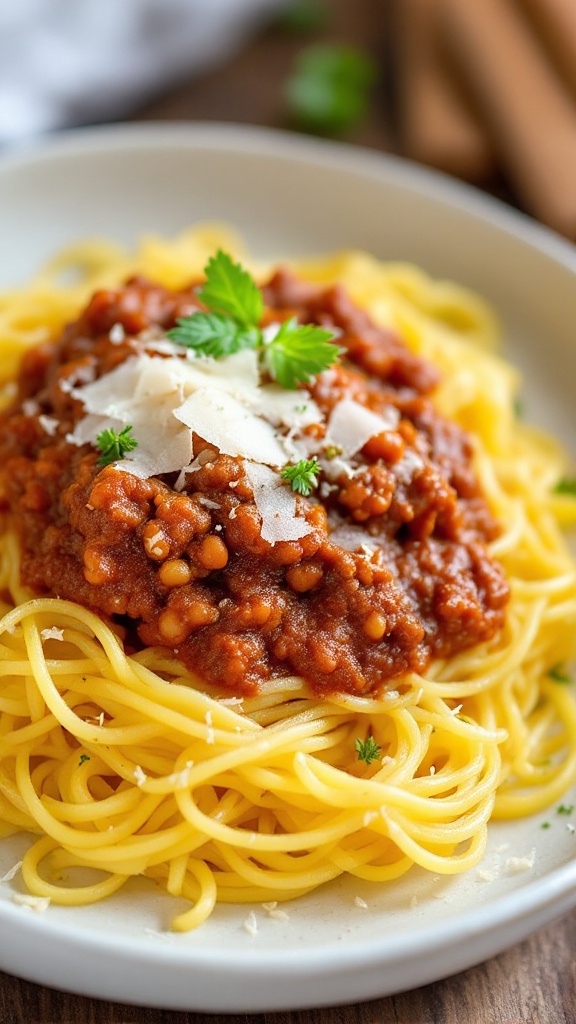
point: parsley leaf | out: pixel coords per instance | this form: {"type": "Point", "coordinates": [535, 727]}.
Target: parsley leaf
{"type": "Point", "coordinates": [115, 446]}
{"type": "Point", "coordinates": [298, 352]}
{"type": "Point", "coordinates": [83, 758]}
{"type": "Point", "coordinates": [559, 675]}
{"type": "Point", "coordinates": [295, 354]}
{"type": "Point", "coordinates": [303, 475]}
{"type": "Point", "coordinates": [231, 291]}
{"type": "Point", "coordinates": [367, 750]}
{"type": "Point", "coordinates": [212, 334]}
{"type": "Point", "coordinates": [567, 485]}
{"type": "Point", "coordinates": [565, 809]}
{"type": "Point", "coordinates": [329, 89]}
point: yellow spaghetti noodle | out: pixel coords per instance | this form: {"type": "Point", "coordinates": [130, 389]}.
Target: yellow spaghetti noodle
{"type": "Point", "coordinates": [129, 766]}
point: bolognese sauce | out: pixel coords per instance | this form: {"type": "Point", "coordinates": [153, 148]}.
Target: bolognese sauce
{"type": "Point", "coordinates": [387, 567]}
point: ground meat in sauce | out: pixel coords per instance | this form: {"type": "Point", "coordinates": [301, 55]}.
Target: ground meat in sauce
{"type": "Point", "coordinates": [394, 571]}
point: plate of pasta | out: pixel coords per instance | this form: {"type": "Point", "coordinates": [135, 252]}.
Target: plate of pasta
{"type": "Point", "coordinates": [288, 600]}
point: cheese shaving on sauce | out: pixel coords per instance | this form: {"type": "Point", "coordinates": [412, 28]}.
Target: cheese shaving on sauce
{"type": "Point", "coordinates": [168, 400]}
{"type": "Point", "coordinates": [351, 425]}
{"type": "Point", "coordinates": [224, 422]}
{"type": "Point", "coordinates": [276, 504]}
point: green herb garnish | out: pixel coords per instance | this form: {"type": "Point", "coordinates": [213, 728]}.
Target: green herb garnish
{"type": "Point", "coordinates": [367, 750]}
{"type": "Point", "coordinates": [565, 809]}
{"type": "Point", "coordinates": [298, 352]}
{"type": "Point", "coordinates": [83, 758]}
{"type": "Point", "coordinates": [303, 476]}
{"type": "Point", "coordinates": [545, 824]}
{"type": "Point", "coordinates": [292, 356]}
{"type": "Point", "coordinates": [212, 334]}
{"type": "Point", "coordinates": [115, 446]}
{"type": "Point", "coordinates": [559, 675]}
{"type": "Point", "coordinates": [303, 16]}
{"type": "Point", "coordinates": [230, 290]}
{"type": "Point", "coordinates": [329, 90]}
{"type": "Point", "coordinates": [567, 485]}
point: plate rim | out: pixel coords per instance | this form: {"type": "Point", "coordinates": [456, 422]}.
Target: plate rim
{"type": "Point", "coordinates": [539, 899]}
{"type": "Point", "coordinates": [274, 142]}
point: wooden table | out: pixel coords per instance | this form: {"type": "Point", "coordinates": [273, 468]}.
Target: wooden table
{"type": "Point", "coordinates": [533, 983]}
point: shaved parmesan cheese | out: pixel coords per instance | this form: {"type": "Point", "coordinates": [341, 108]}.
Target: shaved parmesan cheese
{"type": "Point", "coordinates": [158, 378]}
{"type": "Point", "coordinates": [168, 400]}
{"type": "Point", "coordinates": [351, 425]}
{"type": "Point", "coordinates": [276, 504]}
{"type": "Point", "coordinates": [224, 422]}
{"type": "Point", "coordinates": [88, 428]}
{"type": "Point", "coordinates": [293, 409]}
{"type": "Point", "coordinates": [113, 394]}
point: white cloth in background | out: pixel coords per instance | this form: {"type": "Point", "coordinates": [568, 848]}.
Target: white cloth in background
{"type": "Point", "coordinates": [70, 62]}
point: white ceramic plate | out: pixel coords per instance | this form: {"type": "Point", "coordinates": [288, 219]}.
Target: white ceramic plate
{"type": "Point", "coordinates": [289, 196]}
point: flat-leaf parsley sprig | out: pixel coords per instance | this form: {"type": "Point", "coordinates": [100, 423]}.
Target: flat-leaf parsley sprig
{"type": "Point", "coordinates": [368, 750]}
{"type": "Point", "coordinates": [291, 356]}
{"type": "Point", "coordinates": [303, 475]}
{"type": "Point", "coordinates": [115, 446]}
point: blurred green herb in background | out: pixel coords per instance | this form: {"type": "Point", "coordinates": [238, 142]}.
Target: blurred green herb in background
{"type": "Point", "coordinates": [329, 91]}
{"type": "Point", "coordinates": [303, 16]}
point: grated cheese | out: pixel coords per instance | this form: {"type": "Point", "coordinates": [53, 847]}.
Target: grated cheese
{"type": "Point", "coordinates": [53, 633]}
{"type": "Point", "coordinates": [12, 872]}
{"type": "Point", "coordinates": [409, 466]}
{"type": "Point", "coordinates": [272, 910]}
{"type": "Point", "coordinates": [251, 924]}
{"type": "Point", "coordinates": [515, 865]}
{"type": "Point", "coordinates": [37, 903]}
{"type": "Point", "coordinates": [49, 424]}
{"type": "Point", "coordinates": [484, 876]}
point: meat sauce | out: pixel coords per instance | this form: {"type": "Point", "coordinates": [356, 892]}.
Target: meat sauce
{"type": "Point", "coordinates": [394, 571]}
